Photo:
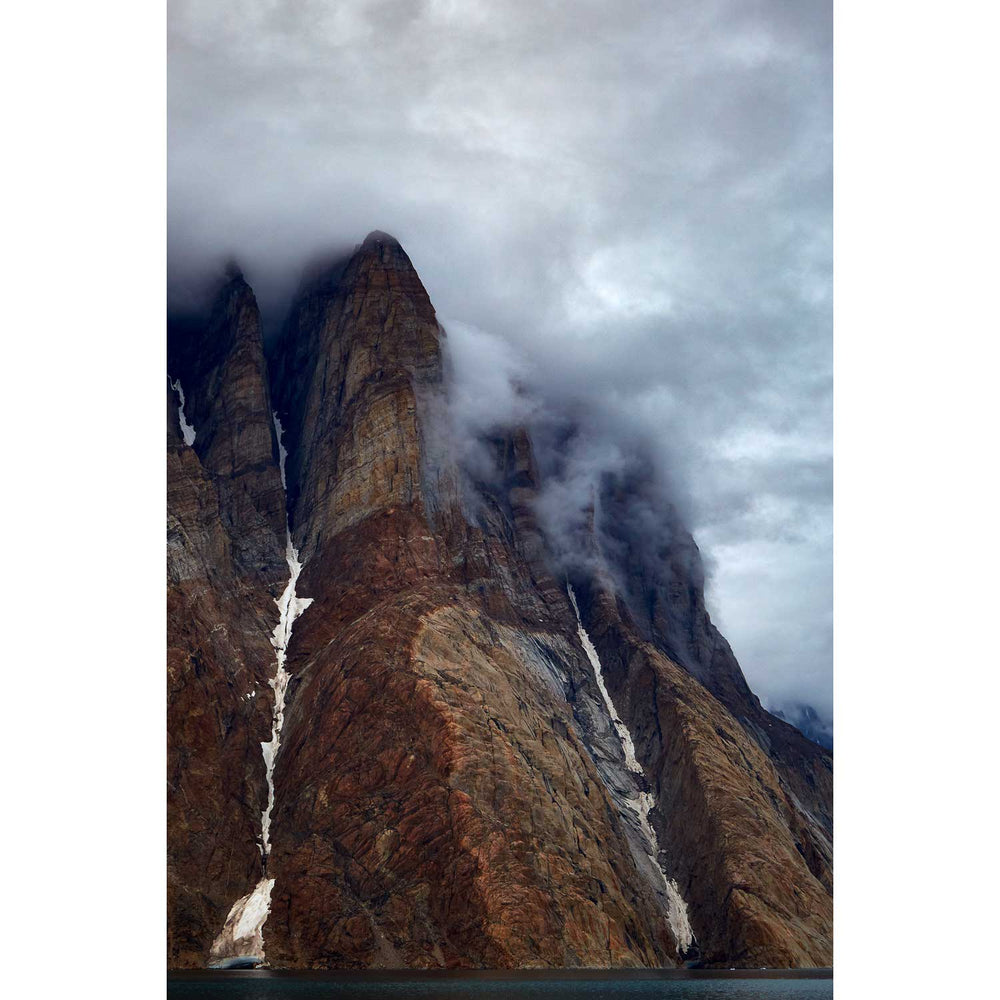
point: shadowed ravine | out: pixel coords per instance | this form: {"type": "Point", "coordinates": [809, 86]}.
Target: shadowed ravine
{"type": "Point", "coordinates": [241, 941]}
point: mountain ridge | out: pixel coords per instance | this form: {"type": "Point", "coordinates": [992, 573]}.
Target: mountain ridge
{"type": "Point", "coordinates": [452, 788]}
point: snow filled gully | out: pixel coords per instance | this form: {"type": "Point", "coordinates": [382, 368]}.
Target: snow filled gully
{"type": "Point", "coordinates": [241, 940]}
{"type": "Point", "coordinates": [643, 802]}
{"type": "Point", "coordinates": [187, 431]}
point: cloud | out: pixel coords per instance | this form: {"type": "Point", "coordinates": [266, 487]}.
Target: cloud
{"type": "Point", "coordinates": [488, 376]}
{"type": "Point", "coordinates": [622, 209]}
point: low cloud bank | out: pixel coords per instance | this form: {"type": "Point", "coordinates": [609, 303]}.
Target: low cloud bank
{"type": "Point", "coordinates": [621, 215]}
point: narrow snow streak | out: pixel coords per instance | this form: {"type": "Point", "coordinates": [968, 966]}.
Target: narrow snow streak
{"type": "Point", "coordinates": [242, 936]}
{"type": "Point", "coordinates": [588, 647]}
{"type": "Point", "coordinates": [187, 431]}
{"type": "Point", "coordinates": [289, 607]}
{"type": "Point", "coordinates": [282, 450]}
{"type": "Point", "coordinates": [642, 804]}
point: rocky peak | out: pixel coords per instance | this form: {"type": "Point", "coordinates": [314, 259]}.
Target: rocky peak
{"type": "Point", "coordinates": [352, 361]}
{"type": "Point", "coordinates": [217, 362]}
{"type": "Point", "coordinates": [380, 241]}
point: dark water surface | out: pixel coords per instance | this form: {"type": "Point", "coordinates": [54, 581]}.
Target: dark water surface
{"type": "Point", "coordinates": [645, 985]}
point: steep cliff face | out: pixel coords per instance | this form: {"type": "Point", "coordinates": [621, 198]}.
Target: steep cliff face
{"type": "Point", "coordinates": [478, 765]}
{"type": "Point", "coordinates": [225, 562]}
{"type": "Point", "coordinates": [754, 863]}
{"type": "Point", "coordinates": [663, 599]}
{"type": "Point", "coordinates": [220, 369]}
{"type": "Point", "coordinates": [359, 351]}
{"type": "Point", "coordinates": [434, 790]}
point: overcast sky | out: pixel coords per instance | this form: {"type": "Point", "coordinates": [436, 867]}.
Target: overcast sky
{"type": "Point", "coordinates": [624, 206]}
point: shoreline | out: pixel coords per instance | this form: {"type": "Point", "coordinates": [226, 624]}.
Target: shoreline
{"type": "Point", "coordinates": [497, 975]}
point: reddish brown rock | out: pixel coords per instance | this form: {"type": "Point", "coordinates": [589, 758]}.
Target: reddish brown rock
{"type": "Point", "coordinates": [451, 790]}
{"type": "Point", "coordinates": [432, 786]}
{"type": "Point", "coordinates": [353, 357]}
{"type": "Point", "coordinates": [754, 865]}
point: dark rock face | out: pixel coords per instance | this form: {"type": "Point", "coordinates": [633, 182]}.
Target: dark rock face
{"type": "Point", "coordinates": [225, 563]}
{"type": "Point", "coordinates": [222, 371]}
{"type": "Point", "coordinates": [807, 721]}
{"type": "Point", "coordinates": [663, 600]}
{"type": "Point", "coordinates": [451, 788]}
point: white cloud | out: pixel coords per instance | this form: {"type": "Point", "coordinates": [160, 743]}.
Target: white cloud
{"type": "Point", "coordinates": [627, 205]}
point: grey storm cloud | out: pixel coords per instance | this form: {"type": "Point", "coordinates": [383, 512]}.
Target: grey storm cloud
{"type": "Point", "coordinates": [621, 211]}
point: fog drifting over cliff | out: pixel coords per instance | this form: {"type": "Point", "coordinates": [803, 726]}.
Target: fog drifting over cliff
{"type": "Point", "coordinates": [624, 207]}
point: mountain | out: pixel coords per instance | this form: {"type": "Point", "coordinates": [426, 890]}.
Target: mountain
{"type": "Point", "coordinates": [806, 719]}
{"type": "Point", "coordinates": [398, 735]}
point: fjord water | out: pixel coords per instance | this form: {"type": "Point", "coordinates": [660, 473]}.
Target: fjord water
{"type": "Point", "coordinates": [527, 986]}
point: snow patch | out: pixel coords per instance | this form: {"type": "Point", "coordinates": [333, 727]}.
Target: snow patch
{"type": "Point", "coordinates": [643, 803]}
{"type": "Point", "coordinates": [187, 431]}
{"type": "Point", "coordinates": [595, 661]}
{"type": "Point", "coordinates": [282, 450]}
{"type": "Point", "coordinates": [242, 937]}
{"type": "Point", "coordinates": [289, 608]}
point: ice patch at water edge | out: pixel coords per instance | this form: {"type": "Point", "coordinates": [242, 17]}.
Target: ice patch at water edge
{"type": "Point", "coordinates": [187, 431]}
{"type": "Point", "coordinates": [242, 937]}
{"type": "Point", "coordinates": [642, 804]}
{"type": "Point", "coordinates": [677, 911]}
{"type": "Point", "coordinates": [677, 916]}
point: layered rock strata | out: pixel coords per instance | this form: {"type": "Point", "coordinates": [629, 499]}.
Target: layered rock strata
{"type": "Point", "coordinates": [481, 763]}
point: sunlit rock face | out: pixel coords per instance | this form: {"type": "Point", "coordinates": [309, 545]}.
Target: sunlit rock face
{"type": "Point", "coordinates": [480, 763]}
{"type": "Point", "coordinates": [355, 354]}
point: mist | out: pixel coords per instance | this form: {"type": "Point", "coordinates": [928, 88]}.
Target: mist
{"type": "Point", "coordinates": [622, 214]}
